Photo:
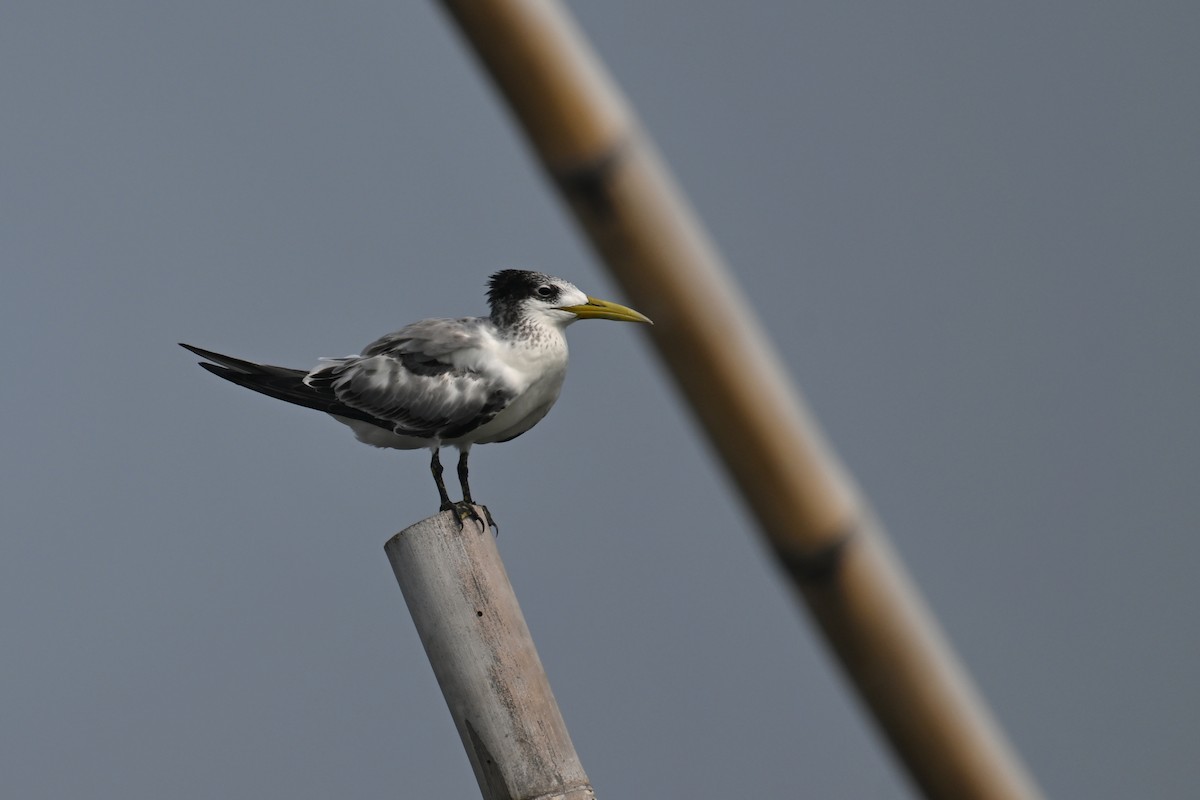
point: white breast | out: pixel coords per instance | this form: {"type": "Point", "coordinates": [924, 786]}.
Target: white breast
{"type": "Point", "coordinates": [535, 370]}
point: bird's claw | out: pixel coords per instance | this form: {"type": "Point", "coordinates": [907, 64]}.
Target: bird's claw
{"type": "Point", "coordinates": [464, 511]}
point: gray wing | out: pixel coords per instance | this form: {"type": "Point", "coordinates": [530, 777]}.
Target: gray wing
{"type": "Point", "coordinates": [420, 379]}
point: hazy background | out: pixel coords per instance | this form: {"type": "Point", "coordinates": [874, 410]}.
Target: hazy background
{"type": "Point", "coordinates": [972, 232]}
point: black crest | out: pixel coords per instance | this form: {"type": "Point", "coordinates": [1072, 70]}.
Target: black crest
{"type": "Point", "coordinates": [508, 288]}
{"type": "Point", "coordinates": [515, 284]}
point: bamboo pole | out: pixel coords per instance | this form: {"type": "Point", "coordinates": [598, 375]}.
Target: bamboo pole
{"type": "Point", "coordinates": [473, 631]}
{"type": "Point", "coordinates": [812, 514]}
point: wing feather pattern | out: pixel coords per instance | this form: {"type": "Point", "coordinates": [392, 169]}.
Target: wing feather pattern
{"type": "Point", "coordinates": [419, 380]}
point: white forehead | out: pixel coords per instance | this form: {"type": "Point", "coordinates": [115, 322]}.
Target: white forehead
{"type": "Point", "coordinates": [570, 295]}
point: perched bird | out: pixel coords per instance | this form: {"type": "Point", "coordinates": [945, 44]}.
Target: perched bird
{"type": "Point", "coordinates": [442, 382]}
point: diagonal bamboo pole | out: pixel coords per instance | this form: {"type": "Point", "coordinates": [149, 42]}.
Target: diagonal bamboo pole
{"type": "Point", "coordinates": [811, 513]}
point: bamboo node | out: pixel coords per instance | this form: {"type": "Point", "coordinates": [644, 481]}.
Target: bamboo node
{"type": "Point", "coordinates": [819, 566]}
{"type": "Point", "coordinates": [589, 181]}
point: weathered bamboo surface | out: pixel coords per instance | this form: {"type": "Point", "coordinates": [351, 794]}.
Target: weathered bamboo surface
{"type": "Point", "coordinates": [481, 651]}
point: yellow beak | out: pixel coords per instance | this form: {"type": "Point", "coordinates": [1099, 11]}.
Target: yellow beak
{"type": "Point", "coordinates": [596, 308]}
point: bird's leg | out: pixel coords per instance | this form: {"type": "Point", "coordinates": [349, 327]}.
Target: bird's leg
{"type": "Point", "coordinates": [463, 477]}
{"type": "Point", "coordinates": [435, 466]}
{"type": "Point", "coordinates": [469, 503]}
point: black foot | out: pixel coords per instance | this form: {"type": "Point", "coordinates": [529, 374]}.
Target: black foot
{"type": "Point", "coordinates": [464, 511]}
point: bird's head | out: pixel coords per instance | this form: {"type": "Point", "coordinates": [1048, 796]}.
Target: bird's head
{"type": "Point", "coordinates": [516, 295]}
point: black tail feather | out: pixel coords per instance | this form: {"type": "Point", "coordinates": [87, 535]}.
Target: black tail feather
{"type": "Point", "coordinates": [281, 383]}
{"type": "Point", "coordinates": [248, 367]}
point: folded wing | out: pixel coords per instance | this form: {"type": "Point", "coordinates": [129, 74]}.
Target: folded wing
{"type": "Point", "coordinates": [419, 379]}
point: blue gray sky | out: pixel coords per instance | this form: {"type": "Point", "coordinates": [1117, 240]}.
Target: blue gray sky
{"type": "Point", "coordinates": [971, 232]}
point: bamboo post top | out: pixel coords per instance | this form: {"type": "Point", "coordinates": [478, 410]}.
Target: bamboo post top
{"type": "Point", "coordinates": [485, 662]}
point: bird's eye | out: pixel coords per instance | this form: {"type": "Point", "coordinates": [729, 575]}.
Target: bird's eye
{"type": "Point", "coordinates": [544, 291]}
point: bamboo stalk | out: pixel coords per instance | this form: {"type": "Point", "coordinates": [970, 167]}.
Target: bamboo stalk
{"type": "Point", "coordinates": [481, 651]}
{"type": "Point", "coordinates": [812, 514]}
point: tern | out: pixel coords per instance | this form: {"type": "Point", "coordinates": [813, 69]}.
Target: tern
{"type": "Point", "coordinates": [445, 382]}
